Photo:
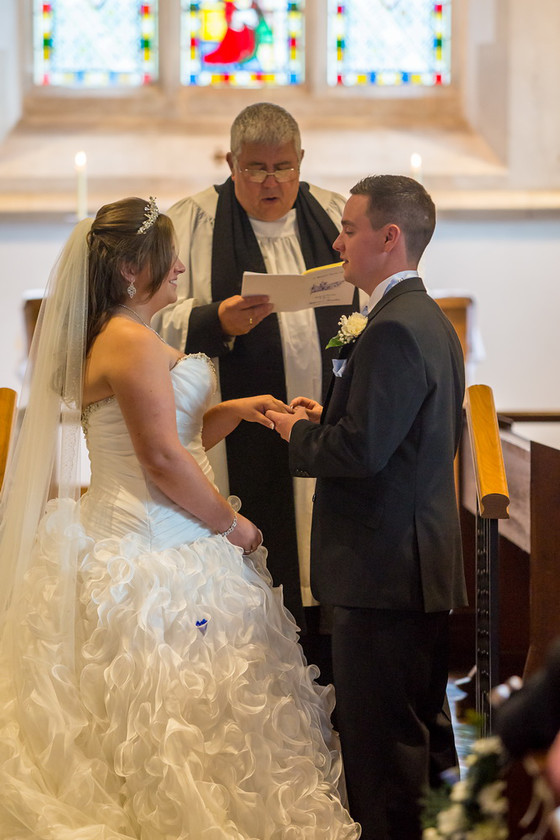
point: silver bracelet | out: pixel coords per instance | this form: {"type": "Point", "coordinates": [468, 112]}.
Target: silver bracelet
{"type": "Point", "coordinates": [231, 527]}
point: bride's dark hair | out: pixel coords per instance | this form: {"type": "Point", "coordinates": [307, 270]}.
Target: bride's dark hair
{"type": "Point", "coordinates": [115, 243]}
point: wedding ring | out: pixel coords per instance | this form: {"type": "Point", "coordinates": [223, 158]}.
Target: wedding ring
{"type": "Point", "coordinates": [250, 321]}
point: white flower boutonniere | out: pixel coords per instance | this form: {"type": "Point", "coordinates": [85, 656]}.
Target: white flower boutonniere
{"type": "Point", "coordinates": [350, 328]}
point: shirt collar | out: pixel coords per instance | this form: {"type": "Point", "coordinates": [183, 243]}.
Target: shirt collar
{"type": "Point", "coordinates": [387, 284]}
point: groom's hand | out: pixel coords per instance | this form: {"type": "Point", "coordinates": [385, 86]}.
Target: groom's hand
{"type": "Point", "coordinates": [283, 423]}
{"type": "Point", "coordinates": [313, 408]}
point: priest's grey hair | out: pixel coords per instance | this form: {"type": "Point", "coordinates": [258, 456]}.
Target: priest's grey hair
{"type": "Point", "coordinates": [264, 123]}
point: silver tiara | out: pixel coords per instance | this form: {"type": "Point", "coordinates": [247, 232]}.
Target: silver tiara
{"type": "Point", "coordinates": [151, 212]}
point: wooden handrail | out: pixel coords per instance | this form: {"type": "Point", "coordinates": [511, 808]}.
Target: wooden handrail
{"type": "Point", "coordinates": [488, 461]}
{"type": "Point", "coordinates": [7, 413]}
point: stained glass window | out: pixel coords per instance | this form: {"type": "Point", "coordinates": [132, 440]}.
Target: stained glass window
{"type": "Point", "coordinates": [244, 44]}
{"type": "Point", "coordinates": [389, 42]}
{"type": "Point", "coordinates": [95, 43]}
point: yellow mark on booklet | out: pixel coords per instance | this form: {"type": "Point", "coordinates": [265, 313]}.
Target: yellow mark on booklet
{"type": "Point", "coordinates": [323, 267]}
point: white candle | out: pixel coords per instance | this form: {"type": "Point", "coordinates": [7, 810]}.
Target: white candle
{"type": "Point", "coordinates": [416, 167]}
{"type": "Point", "coordinates": [80, 165]}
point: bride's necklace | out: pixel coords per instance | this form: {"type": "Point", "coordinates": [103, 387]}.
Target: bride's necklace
{"type": "Point", "coordinates": [139, 318]}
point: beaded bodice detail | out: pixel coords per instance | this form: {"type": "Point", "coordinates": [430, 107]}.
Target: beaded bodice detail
{"type": "Point", "coordinates": [95, 406]}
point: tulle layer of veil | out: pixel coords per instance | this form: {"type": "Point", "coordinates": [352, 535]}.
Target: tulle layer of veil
{"type": "Point", "coordinates": [45, 453]}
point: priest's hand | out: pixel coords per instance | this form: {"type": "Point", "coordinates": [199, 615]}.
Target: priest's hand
{"type": "Point", "coordinates": [239, 315]}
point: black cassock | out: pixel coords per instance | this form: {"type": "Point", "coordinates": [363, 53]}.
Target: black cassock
{"type": "Point", "coordinates": [258, 459]}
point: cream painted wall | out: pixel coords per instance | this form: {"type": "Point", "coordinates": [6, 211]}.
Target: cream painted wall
{"type": "Point", "coordinates": [27, 252]}
{"type": "Point", "coordinates": [511, 267]}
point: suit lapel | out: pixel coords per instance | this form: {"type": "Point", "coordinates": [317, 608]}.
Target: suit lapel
{"type": "Point", "coordinates": [344, 353]}
{"type": "Point", "coordinates": [412, 284]}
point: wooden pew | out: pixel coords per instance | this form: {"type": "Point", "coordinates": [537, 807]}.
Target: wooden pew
{"type": "Point", "coordinates": [536, 469]}
{"type": "Point", "coordinates": [7, 415]}
{"type": "Point", "coordinates": [456, 309]}
{"type": "Point", "coordinates": [529, 543]}
{"type": "Point", "coordinates": [528, 584]}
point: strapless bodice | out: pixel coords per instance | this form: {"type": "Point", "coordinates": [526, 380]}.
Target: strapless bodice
{"type": "Point", "coordinates": [121, 497]}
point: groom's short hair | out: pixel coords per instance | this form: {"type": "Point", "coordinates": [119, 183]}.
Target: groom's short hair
{"type": "Point", "coordinates": [396, 199]}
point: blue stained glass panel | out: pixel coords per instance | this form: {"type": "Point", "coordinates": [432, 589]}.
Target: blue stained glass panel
{"type": "Point", "coordinates": [389, 42]}
{"type": "Point", "coordinates": [95, 43]}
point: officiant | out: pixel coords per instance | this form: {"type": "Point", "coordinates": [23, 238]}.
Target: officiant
{"type": "Point", "coordinates": [263, 219]}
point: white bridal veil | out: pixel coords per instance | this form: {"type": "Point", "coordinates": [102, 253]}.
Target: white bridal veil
{"type": "Point", "coordinates": [45, 452]}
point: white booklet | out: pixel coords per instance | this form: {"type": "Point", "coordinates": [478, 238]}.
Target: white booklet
{"type": "Point", "coordinates": [323, 286]}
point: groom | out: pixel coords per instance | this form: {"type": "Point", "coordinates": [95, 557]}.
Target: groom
{"type": "Point", "coordinates": [386, 548]}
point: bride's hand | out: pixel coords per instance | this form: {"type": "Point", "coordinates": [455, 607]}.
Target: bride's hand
{"type": "Point", "coordinates": [246, 535]}
{"type": "Point", "coordinates": [254, 409]}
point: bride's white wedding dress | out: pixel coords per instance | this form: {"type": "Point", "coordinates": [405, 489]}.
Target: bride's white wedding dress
{"type": "Point", "coordinates": [189, 712]}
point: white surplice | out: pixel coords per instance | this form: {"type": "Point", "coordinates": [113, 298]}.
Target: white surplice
{"type": "Point", "coordinates": [193, 219]}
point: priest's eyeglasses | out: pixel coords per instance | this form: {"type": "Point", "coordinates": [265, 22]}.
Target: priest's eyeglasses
{"type": "Point", "coordinates": [260, 175]}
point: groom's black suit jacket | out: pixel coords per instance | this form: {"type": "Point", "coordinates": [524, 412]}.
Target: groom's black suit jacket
{"type": "Point", "coordinates": [385, 525]}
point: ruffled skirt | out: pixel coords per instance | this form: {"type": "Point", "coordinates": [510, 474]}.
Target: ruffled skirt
{"type": "Point", "coordinates": [181, 708]}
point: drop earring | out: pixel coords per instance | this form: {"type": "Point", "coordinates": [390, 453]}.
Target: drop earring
{"type": "Point", "coordinates": [131, 289]}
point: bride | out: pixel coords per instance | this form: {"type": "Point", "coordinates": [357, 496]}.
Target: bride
{"type": "Point", "coordinates": [151, 684]}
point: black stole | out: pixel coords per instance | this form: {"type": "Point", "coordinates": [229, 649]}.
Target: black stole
{"type": "Point", "coordinates": [258, 458]}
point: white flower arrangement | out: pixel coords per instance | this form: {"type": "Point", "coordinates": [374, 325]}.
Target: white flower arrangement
{"type": "Point", "coordinates": [350, 328]}
{"type": "Point", "coordinates": [473, 808]}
